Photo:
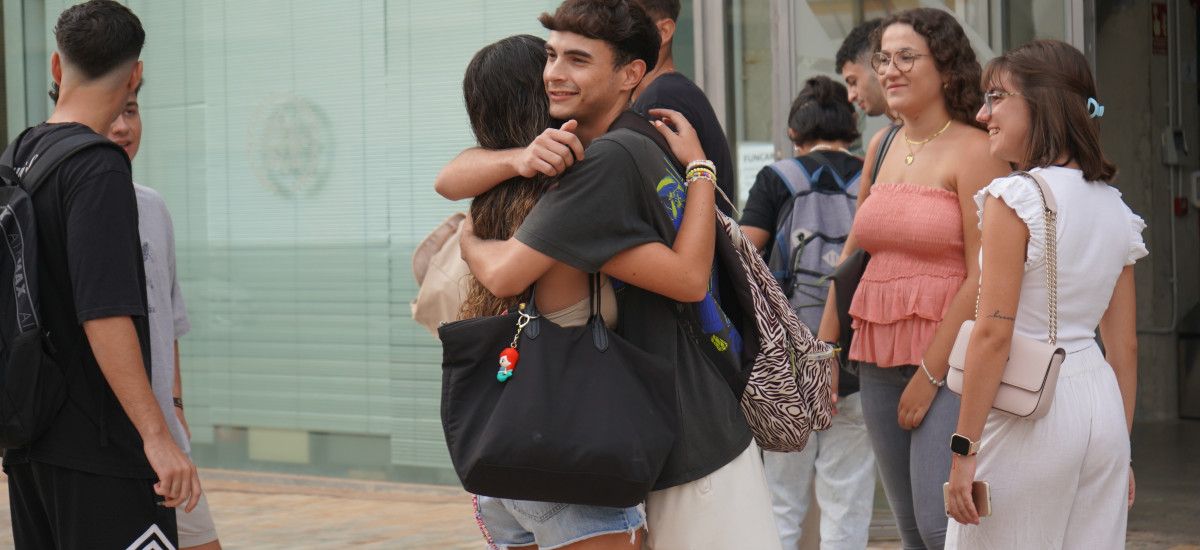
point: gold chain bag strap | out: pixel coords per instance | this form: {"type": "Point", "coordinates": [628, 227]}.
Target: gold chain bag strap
{"type": "Point", "coordinates": [1031, 373]}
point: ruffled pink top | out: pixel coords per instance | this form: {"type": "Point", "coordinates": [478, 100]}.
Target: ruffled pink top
{"type": "Point", "coordinates": [914, 235]}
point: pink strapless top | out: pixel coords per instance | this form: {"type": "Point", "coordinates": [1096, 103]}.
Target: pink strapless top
{"type": "Point", "coordinates": [914, 235]}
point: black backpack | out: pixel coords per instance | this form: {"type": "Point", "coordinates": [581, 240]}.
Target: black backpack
{"type": "Point", "coordinates": [32, 385]}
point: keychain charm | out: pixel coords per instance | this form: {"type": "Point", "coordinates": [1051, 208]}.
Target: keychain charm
{"type": "Point", "coordinates": [509, 357]}
{"type": "Point", "coordinates": [508, 360]}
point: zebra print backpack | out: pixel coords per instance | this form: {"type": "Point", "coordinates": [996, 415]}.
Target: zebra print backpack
{"type": "Point", "coordinates": [782, 374]}
{"type": "Point", "coordinates": [785, 391]}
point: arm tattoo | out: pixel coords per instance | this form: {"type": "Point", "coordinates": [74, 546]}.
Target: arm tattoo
{"type": "Point", "coordinates": [997, 315]}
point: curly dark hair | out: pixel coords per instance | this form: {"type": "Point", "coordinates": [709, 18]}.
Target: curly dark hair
{"type": "Point", "coordinates": [624, 24]}
{"type": "Point", "coordinates": [1055, 81]}
{"type": "Point", "coordinates": [952, 55]}
{"type": "Point", "coordinates": [822, 111]}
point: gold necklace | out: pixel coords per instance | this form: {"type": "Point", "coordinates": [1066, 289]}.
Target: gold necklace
{"type": "Point", "coordinates": [912, 155]}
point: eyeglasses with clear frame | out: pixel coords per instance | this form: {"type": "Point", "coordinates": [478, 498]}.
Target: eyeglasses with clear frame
{"type": "Point", "coordinates": [904, 60]}
{"type": "Point", "coordinates": [989, 99]}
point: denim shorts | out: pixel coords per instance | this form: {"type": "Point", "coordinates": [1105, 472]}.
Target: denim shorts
{"type": "Point", "coordinates": [552, 525]}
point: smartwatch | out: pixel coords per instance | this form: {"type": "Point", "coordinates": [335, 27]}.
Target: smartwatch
{"type": "Point", "coordinates": [963, 446]}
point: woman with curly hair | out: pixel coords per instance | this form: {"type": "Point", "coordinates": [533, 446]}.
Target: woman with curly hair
{"type": "Point", "coordinates": [1064, 480]}
{"type": "Point", "coordinates": [918, 223]}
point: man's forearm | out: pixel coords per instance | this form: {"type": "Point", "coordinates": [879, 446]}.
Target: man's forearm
{"type": "Point", "coordinates": [505, 268]}
{"type": "Point", "coordinates": [115, 344]}
{"type": "Point", "coordinates": [475, 171]}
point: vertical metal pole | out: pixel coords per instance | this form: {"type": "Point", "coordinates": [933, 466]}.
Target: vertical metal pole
{"type": "Point", "coordinates": [709, 37]}
{"type": "Point", "coordinates": [783, 73]}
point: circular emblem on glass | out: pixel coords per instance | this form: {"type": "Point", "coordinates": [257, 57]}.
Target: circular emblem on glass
{"type": "Point", "coordinates": [284, 144]}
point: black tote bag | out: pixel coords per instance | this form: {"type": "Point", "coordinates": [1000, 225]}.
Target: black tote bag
{"type": "Point", "coordinates": [585, 418]}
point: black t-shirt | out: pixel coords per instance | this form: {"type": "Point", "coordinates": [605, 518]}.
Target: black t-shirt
{"type": "Point", "coordinates": [676, 92]}
{"type": "Point", "coordinates": [770, 192]}
{"type": "Point", "coordinates": [615, 199]}
{"type": "Point", "coordinates": [89, 267]}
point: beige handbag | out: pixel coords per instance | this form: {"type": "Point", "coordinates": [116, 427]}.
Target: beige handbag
{"type": "Point", "coordinates": [1031, 373]}
{"type": "Point", "coordinates": [441, 275]}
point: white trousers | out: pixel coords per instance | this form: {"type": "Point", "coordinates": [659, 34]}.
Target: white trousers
{"type": "Point", "coordinates": [1061, 482]}
{"type": "Point", "coordinates": [841, 464]}
{"type": "Point", "coordinates": [727, 509]}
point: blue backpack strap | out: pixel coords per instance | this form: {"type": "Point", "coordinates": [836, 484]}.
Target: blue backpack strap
{"type": "Point", "coordinates": [794, 175]}
{"type": "Point", "coordinates": [827, 165]}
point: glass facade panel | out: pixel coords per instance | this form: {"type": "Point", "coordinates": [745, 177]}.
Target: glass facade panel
{"type": "Point", "coordinates": [813, 34]}
{"type": "Point", "coordinates": [296, 144]}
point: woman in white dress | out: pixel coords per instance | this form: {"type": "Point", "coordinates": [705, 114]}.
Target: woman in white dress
{"type": "Point", "coordinates": [1063, 481]}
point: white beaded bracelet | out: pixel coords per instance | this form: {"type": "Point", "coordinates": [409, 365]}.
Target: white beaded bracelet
{"type": "Point", "coordinates": [932, 380]}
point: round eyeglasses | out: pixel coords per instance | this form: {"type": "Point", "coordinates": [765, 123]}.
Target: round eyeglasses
{"type": "Point", "coordinates": [990, 98]}
{"type": "Point", "coordinates": [903, 59]}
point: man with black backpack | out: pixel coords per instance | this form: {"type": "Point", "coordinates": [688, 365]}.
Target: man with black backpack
{"type": "Point", "coordinates": [105, 471]}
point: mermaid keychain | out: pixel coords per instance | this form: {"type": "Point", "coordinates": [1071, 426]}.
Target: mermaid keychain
{"type": "Point", "coordinates": [509, 357]}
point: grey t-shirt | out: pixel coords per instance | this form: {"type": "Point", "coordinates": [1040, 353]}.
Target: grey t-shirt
{"type": "Point", "coordinates": [168, 317]}
{"type": "Point", "coordinates": [620, 196]}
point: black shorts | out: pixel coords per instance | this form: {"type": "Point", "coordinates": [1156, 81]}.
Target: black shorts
{"type": "Point", "coordinates": [54, 507]}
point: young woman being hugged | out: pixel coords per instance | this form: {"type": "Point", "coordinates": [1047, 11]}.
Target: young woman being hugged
{"type": "Point", "coordinates": [1063, 481]}
{"type": "Point", "coordinates": [918, 223]}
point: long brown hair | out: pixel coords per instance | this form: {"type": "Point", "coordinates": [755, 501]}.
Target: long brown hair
{"type": "Point", "coordinates": [507, 109]}
{"type": "Point", "coordinates": [952, 55]}
{"type": "Point", "coordinates": [1055, 80]}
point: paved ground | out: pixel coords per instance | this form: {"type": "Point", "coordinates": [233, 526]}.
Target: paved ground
{"type": "Point", "coordinates": [264, 511]}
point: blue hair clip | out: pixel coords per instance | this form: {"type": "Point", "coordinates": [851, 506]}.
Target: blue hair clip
{"type": "Point", "coordinates": [1095, 109]}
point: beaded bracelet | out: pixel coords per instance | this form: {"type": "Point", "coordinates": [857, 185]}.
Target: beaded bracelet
{"type": "Point", "coordinates": [701, 163]}
{"type": "Point", "coordinates": [932, 380]}
{"type": "Point", "coordinates": [701, 172]}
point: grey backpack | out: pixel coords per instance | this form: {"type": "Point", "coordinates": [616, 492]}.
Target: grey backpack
{"type": "Point", "coordinates": [810, 231]}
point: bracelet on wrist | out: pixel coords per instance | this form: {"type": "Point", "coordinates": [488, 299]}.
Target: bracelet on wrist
{"type": "Point", "coordinates": [178, 402]}
{"type": "Point", "coordinates": [700, 174]}
{"type": "Point", "coordinates": [702, 163]}
{"type": "Point", "coordinates": [932, 380]}
{"type": "Point", "coordinates": [701, 171]}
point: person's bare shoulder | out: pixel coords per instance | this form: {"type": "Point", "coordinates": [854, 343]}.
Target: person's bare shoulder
{"type": "Point", "coordinates": [975, 166]}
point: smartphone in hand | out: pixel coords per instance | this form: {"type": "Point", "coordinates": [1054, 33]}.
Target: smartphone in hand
{"type": "Point", "coordinates": [981, 494]}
